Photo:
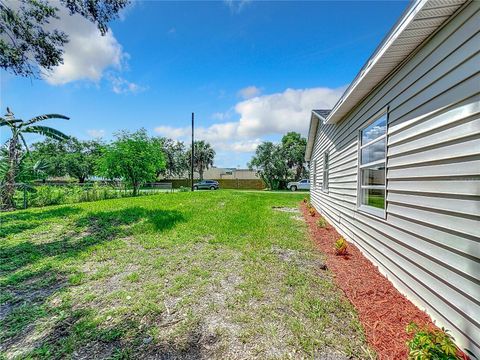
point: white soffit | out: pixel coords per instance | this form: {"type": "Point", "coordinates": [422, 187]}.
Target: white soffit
{"type": "Point", "coordinates": [420, 20]}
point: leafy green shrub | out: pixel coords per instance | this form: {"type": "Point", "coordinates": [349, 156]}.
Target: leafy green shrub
{"type": "Point", "coordinates": [321, 222]}
{"type": "Point", "coordinates": [48, 195]}
{"type": "Point", "coordinates": [341, 246]}
{"type": "Point", "coordinates": [430, 344]}
{"type": "Point", "coordinates": [184, 189]}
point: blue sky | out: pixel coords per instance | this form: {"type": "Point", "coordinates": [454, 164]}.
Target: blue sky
{"type": "Point", "coordinates": [250, 71]}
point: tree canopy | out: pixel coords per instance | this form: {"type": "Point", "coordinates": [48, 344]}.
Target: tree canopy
{"type": "Point", "coordinates": [278, 163]}
{"type": "Point", "coordinates": [133, 157]}
{"type": "Point", "coordinates": [202, 158]}
{"type": "Point", "coordinates": [29, 45]}
{"type": "Point", "coordinates": [176, 159]}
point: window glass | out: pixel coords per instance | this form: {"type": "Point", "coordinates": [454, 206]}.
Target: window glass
{"type": "Point", "coordinates": [326, 166]}
{"type": "Point", "coordinates": [375, 130]}
{"type": "Point", "coordinates": [372, 182]}
{"type": "Point", "coordinates": [374, 175]}
{"type": "Point", "coordinates": [373, 152]}
{"type": "Point", "coordinates": [374, 198]}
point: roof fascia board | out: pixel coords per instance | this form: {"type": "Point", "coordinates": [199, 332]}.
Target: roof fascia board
{"type": "Point", "coordinates": [312, 133]}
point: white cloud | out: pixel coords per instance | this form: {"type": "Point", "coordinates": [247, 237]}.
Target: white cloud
{"type": "Point", "coordinates": [172, 30]}
{"type": "Point", "coordinates": [282, 112]}
{"type": "Point", "coordinates": [87, 54]}
{"type": "Point", "coordinates": [220, 116]}
{"type": "Point", "coordinates": [249, 92]}
{"type": "Point", "coordinates": [122, 86]}
{"type": "Point", "coordinates": [96, 133]}
{"type": "Point", "coordinates": [244, 146]}
{"type": "Point", "coordinates": [274, 114]}
{"type": "Point", "coordinates": [236, 6]}
{"type": "Point", "coordinates": [172, 132]}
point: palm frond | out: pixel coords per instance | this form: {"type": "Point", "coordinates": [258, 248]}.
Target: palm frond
{"type": "Point", "coordinates": [24, 142]}
{"type": "Point", "coordinates": [46, 131]}
{"type": "Point", "coordinates": [4, 166]}
{"type": "Point", "coordinates": [41, 166]}
{"type": "Point", "coordinates": [9, 122]}
{"type": "Point", "coordinates": [45, 117]}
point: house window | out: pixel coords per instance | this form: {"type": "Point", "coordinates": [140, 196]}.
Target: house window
{"type": "Point", "coordinates": [325, 171]}
{"type": "Point", "coordinates": [372, 166]}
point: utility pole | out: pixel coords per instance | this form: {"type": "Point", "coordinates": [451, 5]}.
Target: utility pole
{"type": "Point", "coordinates": [193, 149]}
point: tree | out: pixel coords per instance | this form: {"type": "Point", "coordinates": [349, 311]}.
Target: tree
{"type": "Point", "coordinates": [28, 45]}
{"type": "Point", "coordinates": [18, 128]}
{"type": "Point", "coordinates": [53, 153]}
{"type": "Point", "coordinates": [133, 157]}
{"type": "Point", "coordinates": [270, 164]}
{"type": "Point", "coordinates": [175, 156]}
{"type": "Point", "coordinates": [81, 158]}
{"type": "Point", "coordinates": [202, 158]}
{"type": "Point", "coordinates": [293, 151]}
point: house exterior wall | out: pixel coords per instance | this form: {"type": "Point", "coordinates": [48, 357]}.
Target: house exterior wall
{"type": "Point", "coordinates": [428, 244]}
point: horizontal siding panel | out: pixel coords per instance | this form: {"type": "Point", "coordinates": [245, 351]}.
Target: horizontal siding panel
{"type": "Point", "coordinates": [468, 226]}
{"type": "Point", "coordinates": [458, 149]}
{"type": "Point", "coordinates": [458, 167]}
{"type": "Point", "coordinates": [467, 128]}
{"type": "Point", "coordinates": [454, 187]}
{"type": "Point", "coordinates": [467, 206]}
{"type": "Point", "coordinates": [437, 119]}
{"type": "Point", "coordinates": [452, 70]}
{"type": "Point", "coordinates": [454, 242]}
{"type": "Point", "coordinates": [414, 260]}
{"type": "Point", "coordinates": [431, 102]}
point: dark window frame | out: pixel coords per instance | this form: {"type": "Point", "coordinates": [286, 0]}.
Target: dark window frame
{"type": "Point", "coordinates": [361, 205]}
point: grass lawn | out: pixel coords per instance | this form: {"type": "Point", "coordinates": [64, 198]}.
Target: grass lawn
{"type": "Point", "coordinates": [186, 275]}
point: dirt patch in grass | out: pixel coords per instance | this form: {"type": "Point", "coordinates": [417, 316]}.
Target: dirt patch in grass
{"type": "Point", "coordinates": [286, 209]}
{"type": "Point", "coordinates": [383, 311]}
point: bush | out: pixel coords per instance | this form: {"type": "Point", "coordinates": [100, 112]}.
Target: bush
{"type": "Point", "coordinates": [184, 189]}
{"type": "Point", "coordinates": [311, 210]}
{"type": "Point", "coordinates": [341, 246]}
{"type": "Point", "coordinates": [430, 344]}
{"type": "Point", "coordinates": [321, 222]}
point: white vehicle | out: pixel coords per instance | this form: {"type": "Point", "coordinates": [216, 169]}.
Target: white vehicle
{"type": "Point", "coordinates": [299, 185]}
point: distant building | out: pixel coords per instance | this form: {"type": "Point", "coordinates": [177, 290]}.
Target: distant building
{"type": "Point", "coordinates": [218, 173]}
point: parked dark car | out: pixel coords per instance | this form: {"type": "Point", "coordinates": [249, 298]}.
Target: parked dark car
{"type": "Point", "coordinates": [206, 184]}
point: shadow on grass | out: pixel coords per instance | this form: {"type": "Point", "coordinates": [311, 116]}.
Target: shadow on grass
{"type": "Point", "coordinates": [126, 339]}
{"type": "Point", "coordinates": [16, 222]}
{"type": "Point", "coordinates": [32, 272]}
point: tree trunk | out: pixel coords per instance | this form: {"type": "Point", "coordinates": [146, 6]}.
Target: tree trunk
{"type": "Point", "coordinates": [9, 189]}
{"type": "Point", "coordinates": [135, 189]}
{"type": "Point", "coordinates": [200, 173]}
{"type": "Point", "coordinates": [81, 179]}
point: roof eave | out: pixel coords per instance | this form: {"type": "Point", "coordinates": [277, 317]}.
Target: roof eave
{"type": "Point", "coordinates": [312, 133]}
{"type": "Point", "coordinates": [372, 74]}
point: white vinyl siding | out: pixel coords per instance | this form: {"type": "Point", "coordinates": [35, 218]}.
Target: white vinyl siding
{"type": "Point", "coordinates": [428, 243]}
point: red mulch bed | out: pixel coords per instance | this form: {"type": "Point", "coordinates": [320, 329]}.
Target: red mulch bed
{"type": "Point", "coordinates": [382, 310]}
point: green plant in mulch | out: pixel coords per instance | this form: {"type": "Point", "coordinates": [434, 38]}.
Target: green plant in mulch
{"type": "Point", "coordinates": [322, 223]}
{"type": "Point", "coordinates": [429, 343]}
{"type": "Point", "coordinates": [341, 246]}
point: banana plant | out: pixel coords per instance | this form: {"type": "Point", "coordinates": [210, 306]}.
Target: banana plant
{"type": "Point", "coordinates": [15, 154]}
